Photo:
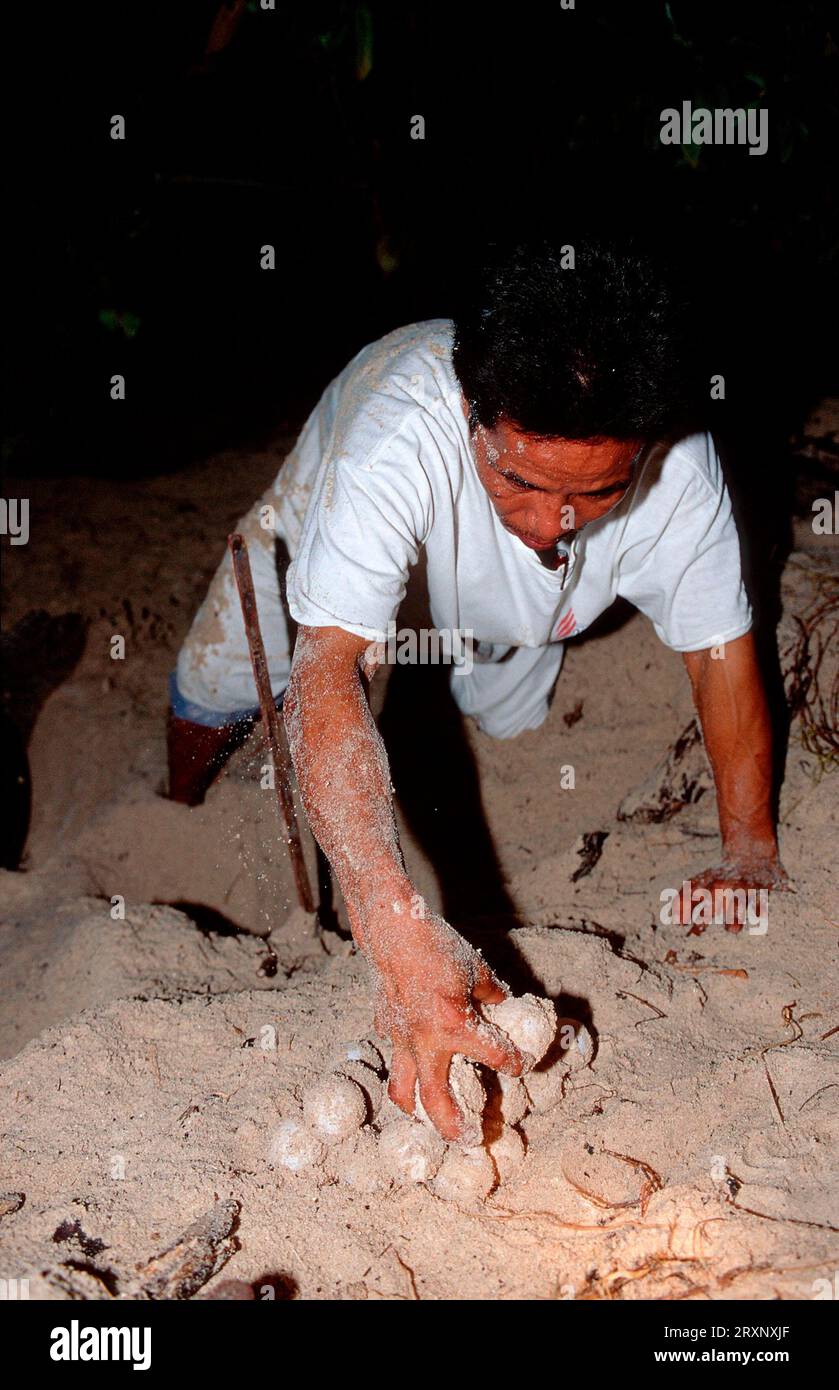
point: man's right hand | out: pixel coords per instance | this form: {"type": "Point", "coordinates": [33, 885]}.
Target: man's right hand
{"type": "Point", "coordinates": [428, 983]}
{"type": "Point", "coordinates": [428, 979]}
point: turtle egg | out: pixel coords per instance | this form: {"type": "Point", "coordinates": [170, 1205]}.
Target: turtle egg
{"type": "Point", "coordinates": [507, 1153]}
{"type": "Point", "coordinates": [465, 1175]}
{"type": "Point", "coordinates": [368, 1082]}
{"type": "Point", "coordinates": [528, 1021]}
{"type": "Point", "coordinates": [410, 1152]}
{"type": "Point", "coordinates": [545, 1088]}
{"type": "Point", "coordinates": [294, 1146]}
{"type": "Point", "coordinates": [334, 1108]}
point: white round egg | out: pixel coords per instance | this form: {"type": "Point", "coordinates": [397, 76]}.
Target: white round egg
{"type": "Point", "coordinates": [410, 1152]}
{"type": "Point", "coordinates": [295, 1147]}
{"type": "Point", "coordinates": [334, 1108]}
{"type": "Point", "coordinates": [368, 1082]}
{"type": "Point", "coordinates": [528, 1021]}
{"type": "Point", "coordinates": [465, 1175]}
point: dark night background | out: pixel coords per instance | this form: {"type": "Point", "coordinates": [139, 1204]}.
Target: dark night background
{"type": "Point", "coordinates": [140, 257]}
{"type": "Point", "coordinates": [292, 127]}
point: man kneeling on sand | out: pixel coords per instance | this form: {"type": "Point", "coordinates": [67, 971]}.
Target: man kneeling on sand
{"type": "Point", "coordinates": [534, 451]}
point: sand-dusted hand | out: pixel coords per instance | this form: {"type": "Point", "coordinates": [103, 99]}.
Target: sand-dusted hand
{"type": "Point", "coordinates": [428, 983]}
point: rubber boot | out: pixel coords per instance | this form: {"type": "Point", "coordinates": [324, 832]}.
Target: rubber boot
{"type": "Point", "coordinates": [197, 754]}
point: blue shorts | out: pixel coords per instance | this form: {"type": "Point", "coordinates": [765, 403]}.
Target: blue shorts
{"type": "Point", "coordinates": [211, 719]}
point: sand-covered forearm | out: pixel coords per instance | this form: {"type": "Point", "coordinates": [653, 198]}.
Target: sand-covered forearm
{"type": "Point", "coordinates": [343, 775]}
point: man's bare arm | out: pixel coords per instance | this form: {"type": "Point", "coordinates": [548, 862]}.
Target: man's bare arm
{"type": "Point", "coordinates": [428, 980]}
{"type": "Point", "coordinates": [731, 702]}
{"type": "Point", "coordinates": [342, 771]}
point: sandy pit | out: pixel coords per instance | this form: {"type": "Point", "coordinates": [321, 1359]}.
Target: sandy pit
{"type": "Point", "coordinates": [150, 1059]}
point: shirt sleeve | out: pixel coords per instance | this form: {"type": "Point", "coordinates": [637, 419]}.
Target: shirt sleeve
{"type": "Point", "coordinates": [366, 522]}
{"type": "Point", "coordinates": [684, 570]}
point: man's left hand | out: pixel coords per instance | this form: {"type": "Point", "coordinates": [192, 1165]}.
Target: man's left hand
{"type": "Point", "coordinates": [729, 884]}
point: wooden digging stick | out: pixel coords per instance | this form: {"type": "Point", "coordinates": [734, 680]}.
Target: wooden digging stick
{"type": "Point", "coordinates": [274, 736]}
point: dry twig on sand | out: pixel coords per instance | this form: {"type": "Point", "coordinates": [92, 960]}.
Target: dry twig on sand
{"type": "Point", "coordinates": [803, 662]}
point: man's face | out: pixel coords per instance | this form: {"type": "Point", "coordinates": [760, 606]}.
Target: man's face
{"type": "Point", "coordinates": [546, 490]}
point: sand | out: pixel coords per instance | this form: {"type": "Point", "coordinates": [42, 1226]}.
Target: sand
{"type": "Point", "coordinates": [149, 1059]}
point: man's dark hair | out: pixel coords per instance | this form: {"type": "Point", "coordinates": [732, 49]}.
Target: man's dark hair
{"type": "Point", "coordinates": [593, 351]}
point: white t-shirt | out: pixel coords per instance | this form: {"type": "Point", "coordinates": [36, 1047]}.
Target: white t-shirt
{"type": "Point", "coordinates": [384, 467]}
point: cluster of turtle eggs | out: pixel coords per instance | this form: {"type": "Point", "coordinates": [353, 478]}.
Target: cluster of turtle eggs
{"type": "Point", "coordinates": [348, 1128]}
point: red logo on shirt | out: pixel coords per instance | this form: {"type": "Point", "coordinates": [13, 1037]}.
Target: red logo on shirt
{"type": "Point", "coordinates": [565, 626]}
